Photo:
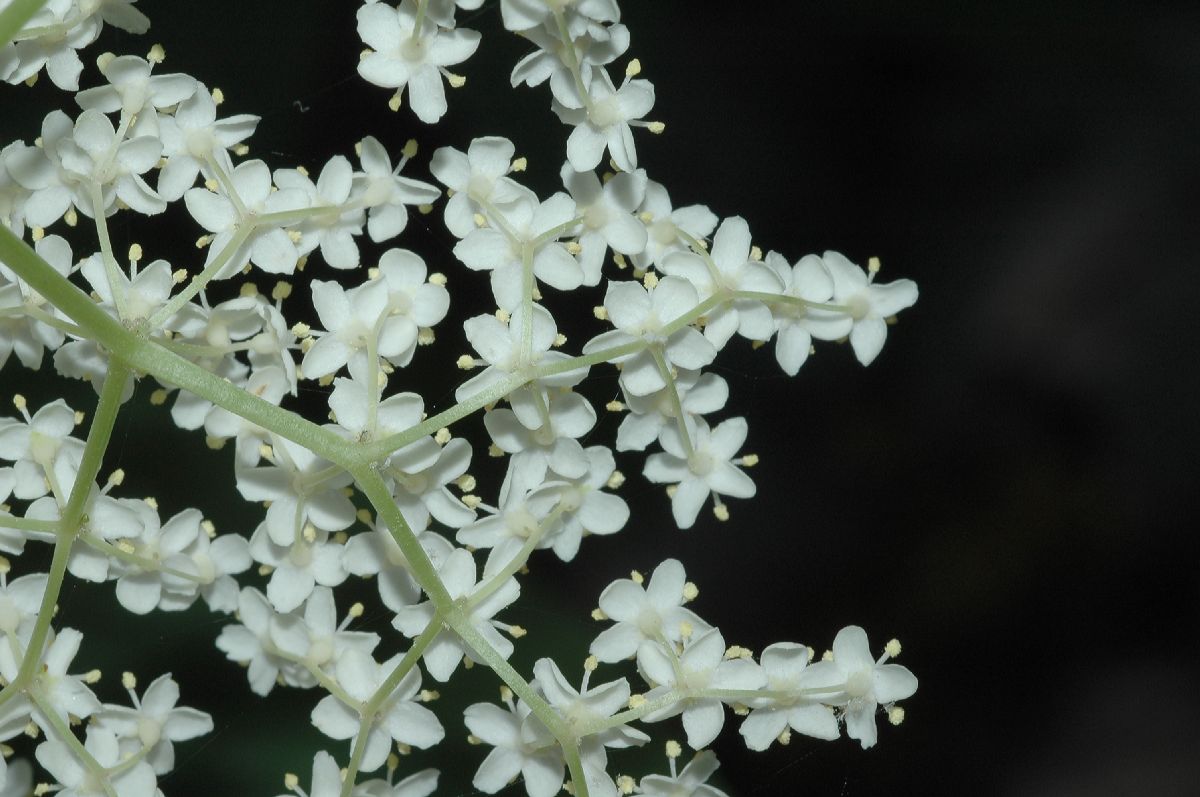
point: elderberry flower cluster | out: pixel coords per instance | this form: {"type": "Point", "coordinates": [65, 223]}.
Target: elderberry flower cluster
{"type": "Point", "coordinates": [379, 485]}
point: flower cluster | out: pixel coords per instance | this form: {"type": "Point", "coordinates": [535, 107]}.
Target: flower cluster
{"type": "Point", "coordinates": [375, 487]}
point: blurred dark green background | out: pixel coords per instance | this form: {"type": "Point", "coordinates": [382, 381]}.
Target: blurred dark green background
{"type": "Point", "coordinates": [1006, 489]}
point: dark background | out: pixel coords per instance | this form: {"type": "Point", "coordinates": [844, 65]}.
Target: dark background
{"type": "Point", "coordinates": [1006, 489]}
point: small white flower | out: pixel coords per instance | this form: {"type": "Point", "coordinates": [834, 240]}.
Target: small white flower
{"type": "Point", "coordinates": [785, 666]}
{"type": "Point", "coordinates": [385, 193]}
{"type": "Point", "coordinates": [708, 467]}
{"type": "Point", "coordinates": [481, 601]}
{"type": "Point", "coordinates": [701, 666]}
{"type": "Point", "coordinates": [405, 56]}
{"type": "Point", "coordinates": [135, 780]}
{"type": "Point", "coordinates": [155, 722]}
{"type": "Point", "coordinates": [602, 121]}
{"type": "Point", "coordinates": [688, 783]}
{"type": "Point", "coordinates": [400, 718]}
{"type": "Point", "coordinates": [797, 325]}
{"type": "Point", "coordinates": [640, 613]}
{"type": "Point", "coordinates": [479, 180]}
{"type": "Point", "coordinates": [859, 683]}
{"type": "Point", "coordinates": [869, 303]}
{"type": "Point", "coordinates": [665, 224]}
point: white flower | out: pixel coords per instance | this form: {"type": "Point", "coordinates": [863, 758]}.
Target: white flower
{"type": "Point", "coordinates": [141, 296]}
{"type": "Point", "coordinates": [301, 490]}
{"type": "Point", "coordinates": [503, 348]}
{"type": "Point", "coordinates": [706, 468]}
{"type": "Point", "coordinates": [640, 613]}
{"type": "Point", "coordinates": [37, 444]}
{"type": "Point", "coordinates": [315, 639]}
{"type": "Point", "coordinates": [405, 56]}
{"type": "Point", "coordinates": [701, 666]}
{"type": "Point", "coordinates": [334, 228]}
{"type": "Point", "coordinates": [297, 567]}
{"type": "Point", "coordinates": [95, 157]}
{"type": "Point", "coordinates": [688, 783]}
{"type": "Point", "coordinates": [64, 694]}
{"type": "Point", "coordinates": [192, 136]}
{"type": "Point", "coordinates": [643, 313]}
{"type": "Point", "coordinates": [859, 683]}
{"type": "Point", "coordinates": [558, 420]}
{"type": "Point", "coordinates": [516, 750]}
{"type": "Point", "coordinates": [785, 666]}
{"type": "Point", "coordinates": [134, 91]}
{"type": "Point", "coordinates": [524, 228]}
{"type": "Point", "coordinates": [479, 180]}
{"type": "Point", "coordinates": [355, 321]}
{"type": "Point", "coordinates": [480, 602]}
{"type": "Point", "coordinates": [61, 30]}
{"type": "Point", "coordinates": [135, 780]}
{"type": "Point", "coordinates": [699, 394]}
{"type": "Point", "coordinates": [608, 216]}
{"type": "Point", "coordinates": [797, 324]}
{"type": "Point", "coordinates": [326, 778]}
{"type": "Point", "coordinates": [399, 718]}
{"type": "Point", "coordinates": [268, 247]}
{"type": "Point", "coordinates": [728, 269]}
{"type": "Point", "coordinates": [155, 722]}
{"type": "Point", "coordinates": [525, 14]}
{"type": "Point", "coordinates": [602, 121]}
{"type": "Point", "coordinates": [665, 224]}
{"type": "Point", "coordinates": [249, 642]}
{"type": "Point", "coordinates": [869, 303]}
{"type": "Point", "coordinates": [384, 192]}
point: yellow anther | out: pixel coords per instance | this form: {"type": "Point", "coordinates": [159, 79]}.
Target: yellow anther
{"type": "Point", "coordinates": [674, 749]}
{"type": "Point", "coordinates": [634, 68]}
{"type": "Point", "coordinates": [410, 148]}
{"type": "Point", "coordinates": [520, 164]}
{"type": "Point", "coordinates": [690, 591]}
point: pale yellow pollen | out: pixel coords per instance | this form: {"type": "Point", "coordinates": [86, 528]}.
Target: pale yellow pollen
{"type": "Point", "coordinates": [650, 280]}
{"type": "Point", "coordinates": [636, 577]}
{"type": "Point", "coordinates": [598, 615]}
{"type": "Point", "coordinates": [634, 68]}
{"type": "Point", "coordinates": [614, 406]}
{"type": "Point", "coordinates": [211, 184]}
{"type": "Point", "coordinates": [210, 529]}
{"type": "Point", "coordinates": [690, 591]}
{"type": "Point", "coordinates": [892, 648]}
{"type": "Point", "coordinates": [559, 340]}
{"type": "Point", "coordinates": [135, 252]}
{"type": "Point", "coordinates": [750, 460]}
{"type": "Point", "coordinates": [38, 234]}
{"type": "Point", "coordinates": [456, 81]}
{"type": "Point", "coordinates": [466, 482]}
{"type": "Point", "coordinates": [248, 290]}
{"type": "Point", "coordinates": [615, 480]}
{"type": "Point", "coordinates": [301, 329]}
{"type": "Point", "coordinates": [410, 148]}
{"type": "Point", "coordinates": [656, 127]}
{"type": "Point", "coordinates": [600, 312]}
{"type": "Point", "coordinates": [785, 738]}
{"type": "Point", "coordinates": [116, 477]}
{"type": "Point", "coordinates": [429, 695]}
{"type": "Point", "coordinates": [437, 278]}
{"type": "Point", "coordinates": [516, 631]}
{"type": "Point", "coordinates": [873, 265]}
{"type": "Point", "coordinates": [674, 749]}
{"type": "Point", "coordinates": [473, 739]}
{"type": "Point", "coordinates": [218, 96]}
{"type": "Point", "coordinates": [520, 164]}
{"type": "Point", "coordinates": [19, 402]}
{"type": "Point", "coordinates": [503, 315]}
{"type": "Point", "coordinates": [281, 291]}
{"type": "Point", "coordinates": [214, 443]}
{"type": "Point", "coordinates": [472, 501]}
{"type": "Point", "coordinates": [157, 54]}
{"type": "Point", "coordinates": [619, 259]}
{"type": "Point", "coordinates": [151, 502]}
{"type": "Point", "coordinates": [91, 677]}
{"type": "Point", "coordinates": [637, 700]}
{"type": "Point", "coordinates": [721, 512]}
{"type": "Point", "coordinates": [495, 451]}
{"type": "Point", "coordinates": [395, 101]}
{"type": "Point", "coordinates": [179, 276]}
{"type": "Point", "coordinates": [756, 253]}
{"type": "Point", "coordinates": [591, 663]}
{"type": "Point", "coordinates": [442, 436]}
{"type": "Point", "coordinates": [465, 363]}
{"type": "Point", "coordinates": [625, 784]}
{"type": "Point", "coordinates": [128, 680]}
{"type": "Point", "coordinates": [895, 715]}
{"type": "Point", "coordinates": [291, 781]}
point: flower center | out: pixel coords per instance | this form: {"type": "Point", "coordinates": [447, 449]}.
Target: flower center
{"type": "Point", "coordinates": [413, 49]}
{"type": "Point", "coordinates": [859, 684]}
{"type": "Point", "coordinates": [606, 112]}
